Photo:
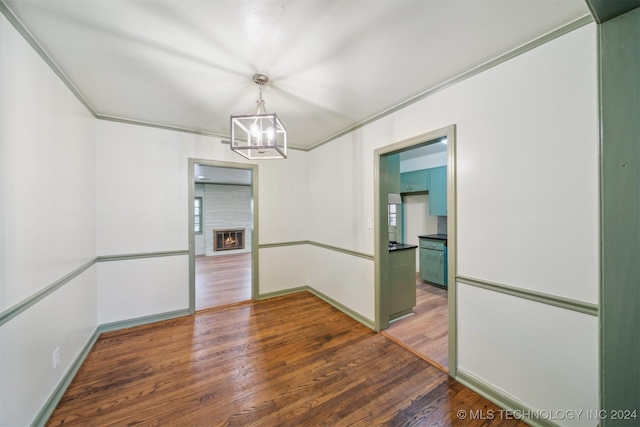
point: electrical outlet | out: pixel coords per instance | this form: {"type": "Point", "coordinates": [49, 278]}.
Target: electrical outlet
{"type": "Point", "coordinates": [56, 357]}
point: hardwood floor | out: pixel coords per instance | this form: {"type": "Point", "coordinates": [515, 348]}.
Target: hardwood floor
{"type": "Point", "coordinates": [222, 280]}
{"type": "Point", "coordinates": [426, 331]}
{"type": "Point", "coordinates": [226, 279]}
{"type": "Point", "coordinates": [286, 361]}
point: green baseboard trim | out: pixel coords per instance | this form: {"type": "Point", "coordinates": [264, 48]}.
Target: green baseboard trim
{"type": "Point", "coordinates": [512, 407]}
{"type": "Point", "coordinates": [283, 292]}
{"type": "Point", "coordinates": [346, 310]}
{"type": "Point", "coordinates": [139, 321]}
{"type": "Point", "coordinates": [554, 300]}
{"type": "Point", "coordinates": [51, 404]}
{"type": "Point", "coordinates": [335, 304]}
{"type": "Point", "coordinates": [43, 416]}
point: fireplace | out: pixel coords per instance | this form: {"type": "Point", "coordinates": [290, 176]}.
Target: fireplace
{"type": "Point", "coordinates": [225, 240]}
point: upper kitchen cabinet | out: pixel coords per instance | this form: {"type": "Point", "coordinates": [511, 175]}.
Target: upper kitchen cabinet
{"type": "Point", "coordinates": [438, 191]}
{"type": "Point", "coordinates": [393, 173]}
{"type": "Point", "coordinates": [414, 181]}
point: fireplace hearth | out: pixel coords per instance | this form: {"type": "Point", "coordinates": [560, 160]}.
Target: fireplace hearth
{"type": "Point", "coordinates": [225, 240]}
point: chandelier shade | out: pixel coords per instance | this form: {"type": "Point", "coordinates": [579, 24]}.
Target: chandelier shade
{"type": "Point", "coordinates": [259, 135]}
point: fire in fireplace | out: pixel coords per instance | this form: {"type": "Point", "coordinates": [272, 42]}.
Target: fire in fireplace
{"type": "Point", "coordinates": [224, 240]}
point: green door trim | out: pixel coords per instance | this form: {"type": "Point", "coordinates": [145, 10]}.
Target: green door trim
{"type": "Point", "coordinates": [381, 229]}
{"type": "Point", "coordinates": [255, 286]}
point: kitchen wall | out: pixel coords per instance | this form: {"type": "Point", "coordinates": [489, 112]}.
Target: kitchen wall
{"type": "Point", "coordinates": [47, 229]}
{"type": "Point", "coordinates": [525, 219]}
{"type": "Point", "coordinates": [417, 220]}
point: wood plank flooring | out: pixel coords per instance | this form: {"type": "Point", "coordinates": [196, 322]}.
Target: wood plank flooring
{"type": "Point", "coordinates": [226, 279]}
{"type": "Point", "coordinates": [426, 331]}
{"type": "Point", "coordinates": [222, 280]}
{"type": "Point", "coordinates": [286, 361]}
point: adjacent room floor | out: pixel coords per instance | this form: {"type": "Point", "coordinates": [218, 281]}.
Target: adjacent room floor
{"type": "Point", "coordinates": [426, 331]}
{"type": "Point", "coordinates": [223, 279]}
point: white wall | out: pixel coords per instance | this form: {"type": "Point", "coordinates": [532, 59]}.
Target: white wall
{"type": "Point", "coordinates": [547, 357]}
{"type": "Point", "coordinates": [527, 171]}
{"type": "Point", "coordinates": [47, 214]}
{"type": "Point", "coordinates": [154, 163]}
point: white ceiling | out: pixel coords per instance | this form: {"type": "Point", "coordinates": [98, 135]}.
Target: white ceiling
{"type": "Point", "coordinates": [332, 64]}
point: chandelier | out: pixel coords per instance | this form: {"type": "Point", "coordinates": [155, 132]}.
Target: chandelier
{"type": "Point", "coordinates": [259, 135]}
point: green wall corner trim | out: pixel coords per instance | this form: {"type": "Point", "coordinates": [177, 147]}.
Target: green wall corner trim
{"type": "Point", "coordinates": [319, 245]}
{"type": "Point", "coordinates": [512, 407]}
{"type": "Point", "coordinates": [122, 257]}
{"type": "Point", "coordinates": [18, 308]}
{"type": "Point", "coordinates": [453, 81]}
{"type": "Point", "coordinates": [23, 305]}
{"type": "Point", "coordinates": [43, 416]}
{"type": "Point", "coordinates": [17, 24]}
{"type": "Point", "coordinates": [554, 300]}
{"type": "Point", "coordinates": [571, 26]}
{"type": "Point", "coordinates": [335, 304]}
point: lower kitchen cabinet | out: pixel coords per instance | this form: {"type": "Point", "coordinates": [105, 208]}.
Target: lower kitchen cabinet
{"type": "Point", "coordinates": [433, 261]}
{"type": "Point", "coordinates": [402, 282]}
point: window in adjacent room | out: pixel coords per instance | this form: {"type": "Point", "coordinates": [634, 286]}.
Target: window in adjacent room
{"type": "Point", "coordinates": [197, 215]}
{"type": "Point", "coordinates": [393, 219]}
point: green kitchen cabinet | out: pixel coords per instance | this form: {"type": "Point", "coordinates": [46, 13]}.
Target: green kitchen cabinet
{"type": "Point", "coordinates": [414, 181]}
{"type": "Point", "coordinates": [438, 191]}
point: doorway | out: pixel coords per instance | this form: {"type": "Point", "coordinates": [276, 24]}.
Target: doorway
{"type": "Point", "coordinates": [432, 303]}
{"type": "Point", "coordinates": [223, 254]}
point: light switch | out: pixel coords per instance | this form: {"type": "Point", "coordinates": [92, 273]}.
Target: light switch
{"type": "Point", "coordinates": [369, 223]}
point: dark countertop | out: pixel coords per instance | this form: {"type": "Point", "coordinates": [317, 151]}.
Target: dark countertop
{"type": "Point", "coordinates": [434, 237]}
{"type": "Point", "coordinates": [401, 247]}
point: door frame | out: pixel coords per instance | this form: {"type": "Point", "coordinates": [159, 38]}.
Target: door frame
{"type": "Point", "coordinates": [254, 231]}
{"type": "Point", "coordinates": [381, 229]}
